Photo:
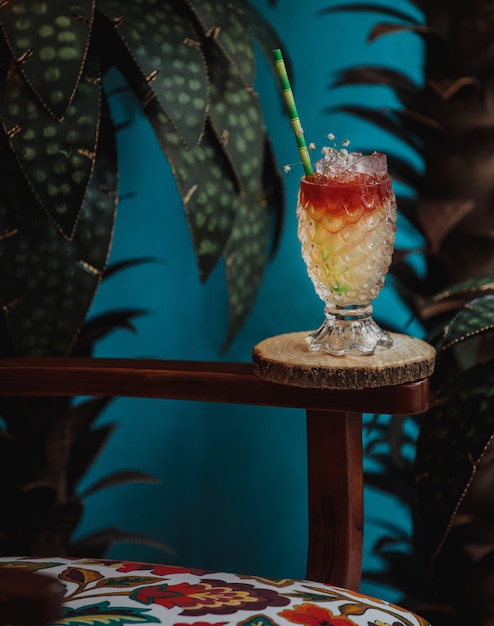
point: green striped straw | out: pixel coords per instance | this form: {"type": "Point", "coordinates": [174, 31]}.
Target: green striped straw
{"type": "Point", "coordinates": [292, 111]}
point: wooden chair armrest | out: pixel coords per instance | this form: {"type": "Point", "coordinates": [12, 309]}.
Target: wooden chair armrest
{"type": "Point", "coordinates": [194, 380]}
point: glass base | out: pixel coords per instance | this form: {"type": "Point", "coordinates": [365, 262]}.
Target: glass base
{"type": "Point", "coordinates": [349, 330]}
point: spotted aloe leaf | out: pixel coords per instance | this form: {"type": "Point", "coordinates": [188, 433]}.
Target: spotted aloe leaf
{"type": "Point", "coordinates": [210, 196]}
{"type": "Point", "coordinates": [163, 60]}
{"type": "Point", "coordinates": [221, 221]}
{"type": "Point", "coordinates": [245, 261]}
{"type": "Point", "coordinates": [228, 29]}
{"type": "Point", "coordinates": [249, 246]}
{"type": "Point", "coordinates": [466, 288]}
{"type": "Point", "coordinates": [476, 317]}
{"type": "Point", "coordinates": [46, 282]}
{"type": "Point", "coordinates": [49, 43]}
{"type": "Point", "coordinates": [56, 158]}
{"type": "Point", "coordinates": [265, 35]}
{"type": "Point", "coordinates": [237, 120]}
{"type": "Point", "coordinates": [222, 177]}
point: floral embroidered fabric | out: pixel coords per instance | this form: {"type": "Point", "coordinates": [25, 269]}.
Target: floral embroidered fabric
{"type": "Point", "coordinates": [114, 593]}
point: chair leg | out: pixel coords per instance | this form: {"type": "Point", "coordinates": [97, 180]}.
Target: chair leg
{"type": "Point", "coordinates": [334, 448]}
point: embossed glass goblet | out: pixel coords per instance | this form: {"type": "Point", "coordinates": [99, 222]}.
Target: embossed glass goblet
{"type": "Point", "coordinates": [347, 231]}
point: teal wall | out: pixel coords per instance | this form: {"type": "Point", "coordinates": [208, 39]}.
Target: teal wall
{"type": "Point", "coordinates": [232, 490]}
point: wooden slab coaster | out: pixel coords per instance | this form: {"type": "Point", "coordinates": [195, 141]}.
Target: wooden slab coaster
{"type": "Point", "coordinates": [286, 359]}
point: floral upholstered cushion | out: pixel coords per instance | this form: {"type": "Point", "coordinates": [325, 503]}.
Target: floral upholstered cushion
{"type": "Point", "coordinates": [114, 593]}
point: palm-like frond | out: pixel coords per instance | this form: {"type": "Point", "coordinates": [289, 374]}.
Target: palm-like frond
{"type": "Point", "coordinates": [372, 8]}
{"type": "Point", "coordinates": [447, 120]}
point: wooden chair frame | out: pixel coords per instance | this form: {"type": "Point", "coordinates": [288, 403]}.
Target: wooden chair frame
{"type": "Point", "coordinates": [334, 429]}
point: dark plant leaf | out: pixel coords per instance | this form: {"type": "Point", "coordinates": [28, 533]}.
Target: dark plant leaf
{"type": "Point", "coordinates": [449, 447]}
{"type": "Point", "coordinates": [419, 4]}
{"type": "Point", "coordinates": [56, 527]}
{"type": "Point", "coordinates": [453, 298]}
{"type": "Point", "coordinates": [388, 120]}
{"type": "Point", "coordinates": [425, 127]}
{"type": "Point", "coordinates": [466, 289]}
{"type": "Point", "coordinates": [442, 309]}
{"type": "Point", "coordinates": [236, 118]}
{"type": "Point", "coordinates": [439, 217]}
{"type": "Point", "coordinates": [394, 535]}
{"type": "Point", "coordinates": [42, 274]}
{"type": "Point", "coordinates": [82, 415]}
{"type": "Point", "coordinates": [398, 439]}
{"type": "Point", "coordinates": [165, 49]}
{"type": "Point", "coordinates": [465, 560]}
{"type": "Point", "coordinates": [396, 486]}
{"type": "Point", "coordinates": [86, 450]}
{"type": "Point", "coordinates": [407, 207]}
{"type": "Point", "coordinates": [122, 477]}
{"type": "Point", "coordinates": [245, 259]}
{"type": "Point", "coordinates": [65, 430]}
{"type": "Point", "coordinates": [49, 43]}
{"type": "Point", "coordinates": [475, 318]}
{"type": "Point", "coordinates": [385, 29]}
{"type": "Point", "coordinates": [206, 185]}
{"type": "Point", "coordinates": [390, 434]}
{"type": "Point", "coordinates": [265, 35]}
{"type": "Point", "coordinates": [117, 266]}
{"type": "Point", "coordinates": [401, 170]}
{"type": "Point", "coordinates": [56, 157]}
{"type": "Point", "coordinates": [369, 7]}
{"type": "Point", "coordinates": [274, 193]}
{"type": "Point", "coordinates": [212, 200]}
{"type": "Point", "coordinates": [408, 93]}
{"type": "Point", "coordinates": [225, 24]}
{"type": "Point", "coordinates": [100, 326]}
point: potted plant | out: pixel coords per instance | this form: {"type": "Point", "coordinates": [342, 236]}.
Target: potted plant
{"type": "Point", "coordinates": [191, 66]}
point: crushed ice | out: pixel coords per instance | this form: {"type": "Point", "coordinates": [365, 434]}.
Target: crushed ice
{"type": "Point", "coordinates": [344, 166]}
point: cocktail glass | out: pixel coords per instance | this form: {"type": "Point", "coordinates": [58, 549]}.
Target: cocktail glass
{"type": "Point", "coordinates": [347, 226]}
